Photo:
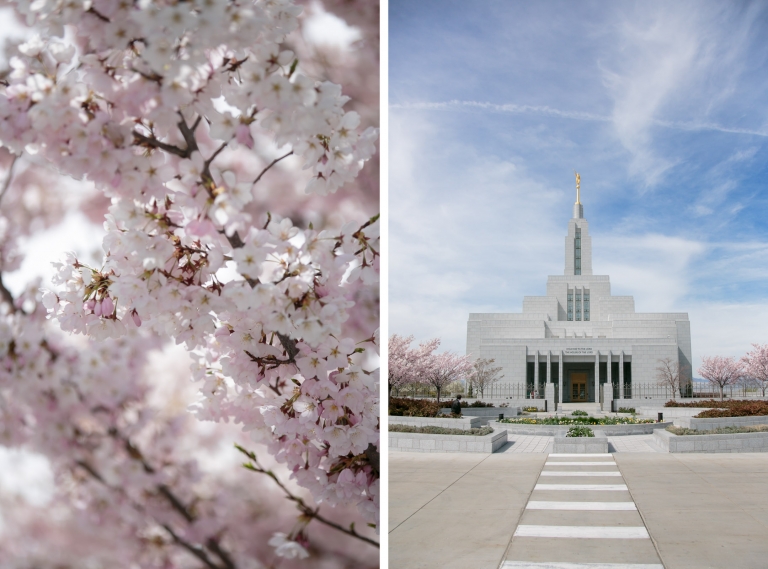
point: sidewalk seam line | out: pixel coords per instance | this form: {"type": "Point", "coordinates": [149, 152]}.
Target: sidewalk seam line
{"type": "Point", "coordinates": [522, 513]}
{"type": "Point", "coordinates": [642, 517]}
{"type": "Point", "coordinates": [438, 494]}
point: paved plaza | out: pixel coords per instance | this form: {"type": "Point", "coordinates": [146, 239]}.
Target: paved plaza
{"type": "Point", "coordinates": [526, 508]}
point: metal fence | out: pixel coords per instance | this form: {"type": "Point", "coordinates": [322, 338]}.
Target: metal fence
{"type": "Point", "coordinates": [631, 391]}
{"type": "Point", "coordinates": [497, 391]}
{"type": "Point", "coordinates": [693, 390]}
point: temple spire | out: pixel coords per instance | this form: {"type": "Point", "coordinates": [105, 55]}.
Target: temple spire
{"type": "Point", "coordinates": [578, 210]}
{"type": "Point", "coordinates": [578, 187]}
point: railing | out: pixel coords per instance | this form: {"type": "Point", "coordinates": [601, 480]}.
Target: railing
{"type": "Point", "coordinates": [496, 391]}
{"type": "Point", "coordinates": [693, 390]}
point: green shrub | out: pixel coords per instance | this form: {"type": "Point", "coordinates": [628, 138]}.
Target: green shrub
{"type": "Point", "coordinates": [580, 432]}
{"type": "Point", "coordinates": [530, 409]}
{"type": "Point", "coordinates": [407, 407]}
{"type": "Point", "coordinates": [480, 404]}
{"type": "Point", "coordinates": [578, 421]}
{"type": "Point", "coordinates": [627, 410]}
{"type": "Point", "coordinates": [580, 413]}
{"type": "Point", "coordinates": [482, 431]}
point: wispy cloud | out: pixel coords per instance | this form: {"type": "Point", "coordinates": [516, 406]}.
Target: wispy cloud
{"type": "Point", "coordinates": [663, 109]}
{"type": "Point", "coordinates": [511, 108]}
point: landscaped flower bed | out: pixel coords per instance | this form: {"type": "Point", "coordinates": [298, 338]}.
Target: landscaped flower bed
{"type": "Point", "coordinates": [406, 407]}
{"type": "Point", "coordinates": [731, 408]}
{"type": "Point", "coordinates": [682, 431]}
{"type": "Point", "coordinates": [580, 432]}
{"type": "Point", "coordinates": [440, 430]}
{"type": "Point", "coordinates": [578, 421]}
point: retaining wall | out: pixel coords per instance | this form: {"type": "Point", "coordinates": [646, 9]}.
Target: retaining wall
{"type": "Point", "coordinates": [738, 442]}
{"type": "Point", "coordinates": [581, 445]}
{"type": "Point", "coordinates": [487, 412]}
{"type": "Point", "coordinates": [709, 424]}
{"type": "Point", "coordinates": [422, 442]}
{"type": "Point", "coordinates": [464, 423]}
{"type": "Point", "coordinates": [669, 412]}
{"type": "Point", "coordinates": [553, 430]}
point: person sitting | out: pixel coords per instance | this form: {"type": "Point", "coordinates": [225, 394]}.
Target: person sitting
{"type": "Point", "coordinates": [456, 406]}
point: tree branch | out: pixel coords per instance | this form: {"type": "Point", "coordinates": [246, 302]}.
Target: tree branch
{"type": "Point", "coordinates": [193, 549]}
{"type": "Point", "coordinates": [275, 161]}
{"type": "Point", "coordinates": [8, 178]}
{"type": "Point", "coordinates": [188, 134]}
{"type": "Point", "coordinates": [300, 504]}
{"type": "Point", "coordinates": [6, 295]}
{"type": "Point", "coordinates": [155, 143]}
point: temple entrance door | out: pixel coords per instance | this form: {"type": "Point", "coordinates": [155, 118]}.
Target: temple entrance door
{"type": "Point", "coordinates": [579, 387]}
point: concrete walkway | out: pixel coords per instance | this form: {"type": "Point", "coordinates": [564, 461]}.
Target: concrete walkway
{"type": "Point", "coordinates": [701, 511]}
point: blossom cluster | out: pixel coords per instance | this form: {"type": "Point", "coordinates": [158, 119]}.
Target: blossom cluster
{"type": "Point", "coordinates": [126, 464]}
{"type": "Point", "coordinates": [157, 104]}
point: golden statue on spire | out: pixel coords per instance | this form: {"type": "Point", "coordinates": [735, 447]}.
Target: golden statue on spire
{"type": "Point", "coordinates": [578, 187]}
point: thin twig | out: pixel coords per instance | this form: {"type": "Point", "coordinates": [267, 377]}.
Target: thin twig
{"type": "Point", "coordinates": [194, 550]}
{"type": "Point", "coordinates": [305, 509]}
{"type": "Point", "coordinates": [8, 178]}
{"type": "Point", "coordinates": [175, 502]}
{"type": "Point", "coordinates": [275, 161]}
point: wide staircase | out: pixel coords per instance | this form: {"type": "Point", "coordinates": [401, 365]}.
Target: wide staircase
{"type": "Point", "coordinates": [591, 408]}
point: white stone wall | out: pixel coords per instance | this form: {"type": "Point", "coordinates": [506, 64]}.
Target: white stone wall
{"type": "Point", "coordinates": [645, 360]}
{"type": "Point", "coordinates": [511, 339]}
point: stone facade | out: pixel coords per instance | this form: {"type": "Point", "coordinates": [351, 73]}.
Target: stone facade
{"type": "Point", "coordinates": [579, 336]}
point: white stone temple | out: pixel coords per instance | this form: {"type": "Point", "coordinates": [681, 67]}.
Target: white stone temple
{"type": "Point", "coordinates": [579, 336]}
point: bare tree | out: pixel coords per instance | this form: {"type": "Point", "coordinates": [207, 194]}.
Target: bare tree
{"type": "Point", "coordinates": [484, 374]}
{"type": "Point", "coordinates": [669, 373]}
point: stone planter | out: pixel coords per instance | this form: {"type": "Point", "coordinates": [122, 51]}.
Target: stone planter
{"type": "Point", "coordinates": [581, 445]}
{"type": "Point", "coordinates": [486, 412]}
{"type": "Point", "coordinates": [465, 423]}
{"type": "Point", "coordinates": [737, 442]}
{"type": "Point", "coordinates": [553, 430]}
{"type": "Point", "coordinates": [704, 424]}
{"type": "Point", "coordinates": [422, 442]}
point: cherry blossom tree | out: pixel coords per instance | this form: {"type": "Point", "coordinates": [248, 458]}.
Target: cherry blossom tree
{"type": "Point", "coordinates": [721, 371]}
{"type": "Point", "coordinates": [406, 364]}
{"type": "Point", "coordinates": [484, 374]}
{"type": "Point", "coordinates": [445, 368]}
{"type": "Point", "coordinates": [755, 364]}
{"type": "Point", "coordinates": [193, 122]}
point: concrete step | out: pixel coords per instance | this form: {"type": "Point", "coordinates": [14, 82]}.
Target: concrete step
{"type": "Point", "coordinates": [591, 408]}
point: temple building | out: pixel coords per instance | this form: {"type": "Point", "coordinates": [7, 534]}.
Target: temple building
{"type": "Point", "coordinates": [579, 336]}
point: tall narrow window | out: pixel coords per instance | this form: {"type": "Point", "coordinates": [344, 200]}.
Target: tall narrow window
{"type": "Point", "coordinates": [577, 252]}
{"type": "Point", "coordinates": [578, 305]}
{"type": "Point", "coordinates": [570, 305]}
{"type": "Point", "coordinates": [586, 305]}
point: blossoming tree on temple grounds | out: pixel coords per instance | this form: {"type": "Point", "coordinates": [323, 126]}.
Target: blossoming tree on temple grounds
{"type": "Point", "coordinates": [194, 122]}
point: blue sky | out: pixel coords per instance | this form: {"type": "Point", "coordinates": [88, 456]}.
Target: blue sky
{"type": "Point", "coordinates": [661, 106]}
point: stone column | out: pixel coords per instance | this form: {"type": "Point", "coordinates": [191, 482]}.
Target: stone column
{"type": "Point", "coordinates": [560, 378]}
{"type": "Point", "coordinates": [621, 375]}
{"type": "Point", "coordinates": [549, 395]}
{"type": "Point", "coordinates": [536, 371]}
{"type": "Point", "coordinates": [549, 366]}
{"type": "Point", "coordinates": [597, 376]}
{"type": "Point", "coordinates": [607, 397]}
{"type": "Point", "coordinates": [609, 378]}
